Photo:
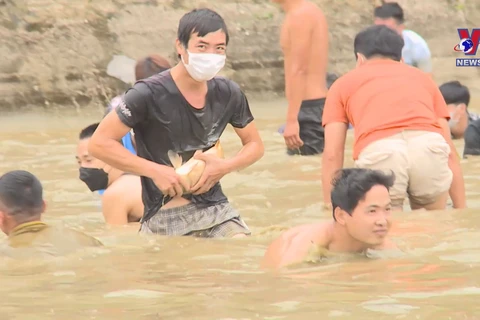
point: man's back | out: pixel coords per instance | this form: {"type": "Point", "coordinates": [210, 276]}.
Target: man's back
{"type": "Point", "coordinates": [57, 241]}
{"type": "Point", "coordinates": [313, 18]}
{"type": "Point", "coordinates": [384, 97]}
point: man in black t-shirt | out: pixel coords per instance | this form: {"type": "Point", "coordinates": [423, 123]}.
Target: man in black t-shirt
{"type": "Point", "coordinates": [184, 109]}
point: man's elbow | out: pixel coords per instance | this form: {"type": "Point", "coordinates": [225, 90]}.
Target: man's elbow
{"type": "Point", "coordinates": [95, 146]}
{"type": "Point", "coordinates": [260, 149]}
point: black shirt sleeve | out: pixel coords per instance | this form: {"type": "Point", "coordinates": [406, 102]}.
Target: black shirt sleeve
{"type": "Point", "coordinates": [133, 108]}
{"type": "Point", "coordinates": [242, 115]}
{"type": "Point", "coordinates": [472, 139]}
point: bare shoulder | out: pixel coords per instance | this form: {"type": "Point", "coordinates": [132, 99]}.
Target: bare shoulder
{"type": "Point", "coordinates": [294, 245]}
{"type": "Point", "coordinates": [309, 11]}
{"type": "Point", "coordinates": [123, 188]}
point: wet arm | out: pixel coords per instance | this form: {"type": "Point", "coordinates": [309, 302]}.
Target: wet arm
{"type": "Point", "coordinates": [333, 154]}
{"type": "Point", "coordinates": [106, 146]}
{"type": "Point", "coordinates": [252, 149]}
{"type": "Point", "coordinates": [296, 67]}
{"type": "Point", "coordinates": [335, 122]}
{"type": "Point", "coordinates": [457, 189]}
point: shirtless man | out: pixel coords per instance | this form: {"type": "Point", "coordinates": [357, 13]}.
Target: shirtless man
{"type": "Point", "coordinates": [304, 41]}
{"type": "Point", "coordinates": [122, 198]}
{"type": "Point", "coordinates": [361, 221]}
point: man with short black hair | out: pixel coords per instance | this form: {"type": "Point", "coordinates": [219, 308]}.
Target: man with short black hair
{"type": "Point", "coordinates": [457, 98]}
{"type": "Point", "coordinates": [184, 110]}
{"type": "Point", "coordinates": [361, 220]}
{"type": "Point", "coordinates": [401, 123]}
{"type": "Point", "coordinates": [415, 51]}
{"type": "Point", "coordinates": [21, 209]}
{"type": "Point", "coordinates": [122, 196]}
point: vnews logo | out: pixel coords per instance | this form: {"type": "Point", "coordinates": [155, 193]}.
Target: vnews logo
{"type": "Point", "coordinates": [468, 45]}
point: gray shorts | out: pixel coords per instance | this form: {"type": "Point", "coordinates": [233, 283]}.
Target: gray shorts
{"type": "Point", "coordinates": [219, 220]}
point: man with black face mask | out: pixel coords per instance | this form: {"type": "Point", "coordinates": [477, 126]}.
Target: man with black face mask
{"type": "Point", "coordinates": [122, 199]}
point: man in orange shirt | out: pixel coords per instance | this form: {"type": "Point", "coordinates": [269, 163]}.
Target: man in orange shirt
{"type": "Point", "coordinates": [401, 124]}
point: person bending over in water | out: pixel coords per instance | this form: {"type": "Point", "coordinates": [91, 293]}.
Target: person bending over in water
{"type": "Point", "coordinates": [361, 220]}
{"type": "Point", "coordinates": [184, 110]}
{"type": "Point", "coordinates": [21, 209]}
{"type": "Point", "coordinates": [401, 124]}
{"type": "Point", "coordinates": [304, 42]}
{"type": "Point", "coordinates": [122, 199]}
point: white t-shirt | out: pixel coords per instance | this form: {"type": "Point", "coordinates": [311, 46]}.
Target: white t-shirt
{"type": "Point", "coordinates": [415, 51]}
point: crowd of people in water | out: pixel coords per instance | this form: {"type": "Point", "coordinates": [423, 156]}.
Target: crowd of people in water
{"type": "Point", "coordinates": [155, 157]}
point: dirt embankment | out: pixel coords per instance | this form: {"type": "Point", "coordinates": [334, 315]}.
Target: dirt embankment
{"type": "Point", "coordinates": [56, 51]}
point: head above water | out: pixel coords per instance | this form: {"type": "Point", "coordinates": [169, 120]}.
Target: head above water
{"type": "Point", "coordinates": [391, 15]}
{"type": "Point", "coordinates": [455, 93]}
{"type": "Point", "coordinates": [457, 98]}
{"type": "Point", "coordinates": [95, 173]}
{"type": "Point", "coordinates": [377, 42]}
{"type": "Point", "coordinates": [202, 40]}
{"type": "Point", "coordinates": [21, 199]}
{"type": "Point", "coordinates": [150, 66]}
{"type": "Point", "coordinates": [361, 203]}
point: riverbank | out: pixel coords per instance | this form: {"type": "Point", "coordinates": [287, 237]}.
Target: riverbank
{"type": "Point", "coordinates": [57, 51]}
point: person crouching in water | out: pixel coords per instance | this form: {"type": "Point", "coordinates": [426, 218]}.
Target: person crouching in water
{"type": "Point", "coordinates": [21, 210]}
{"type": "Point", "coordinates": [122, 198]}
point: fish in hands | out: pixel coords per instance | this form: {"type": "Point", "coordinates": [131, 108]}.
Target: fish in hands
{"type": "Point", "coordinates": [191, 171]}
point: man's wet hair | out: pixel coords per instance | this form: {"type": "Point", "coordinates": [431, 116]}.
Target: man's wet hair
{"type": "Point", "coordinates": [455, 93]}
{"type": "Point", "coordinates": [351, 185]}
{"type": "Point", "coordinates": [390, 10]}
{"type": "Point", "coordinates": [21, 195]}
{"type": "Point", "coordinates": [379, 41]}
{"type": "Point", "coordinates": [88, 132]}
{"type": "Point", "coordinates": [201, 21]}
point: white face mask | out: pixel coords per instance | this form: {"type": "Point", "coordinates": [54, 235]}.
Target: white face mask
{"type": "Point", "coordinates": [204, 66]}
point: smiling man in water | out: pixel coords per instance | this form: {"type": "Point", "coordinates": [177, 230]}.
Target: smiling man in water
{"type": "Point", "coordinates": [361, 220]}
{"type": "Point", "coordinates": [184, 109]}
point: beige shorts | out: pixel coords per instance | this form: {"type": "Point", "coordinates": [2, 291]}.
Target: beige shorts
{"type": "Point", "coordinates": [419, 160]}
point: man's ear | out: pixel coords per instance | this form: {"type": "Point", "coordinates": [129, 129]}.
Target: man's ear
{"type": "Point", "coordinates": [181, 50]}
{"type": "Point", "coordinates": [44, 206]}
{"type": "Point", "coordinates": [360, 59]}
{"type": "Point", "coordinates": [340, 216]}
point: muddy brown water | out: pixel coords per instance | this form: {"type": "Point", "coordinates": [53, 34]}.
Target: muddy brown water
{"type": "Point", "coordinates": [134, 277]}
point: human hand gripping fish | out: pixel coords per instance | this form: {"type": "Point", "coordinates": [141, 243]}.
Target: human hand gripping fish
{"type": "Point", "coordinates": [202, 171]}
